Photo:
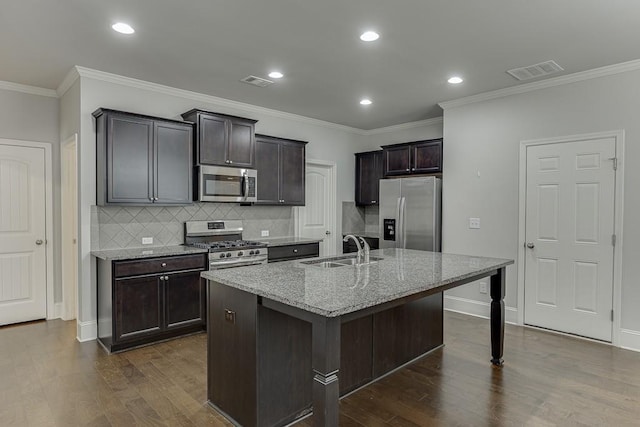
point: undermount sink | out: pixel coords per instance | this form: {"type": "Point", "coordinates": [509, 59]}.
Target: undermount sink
{"type": "Point", "coordinates": [339, 262]}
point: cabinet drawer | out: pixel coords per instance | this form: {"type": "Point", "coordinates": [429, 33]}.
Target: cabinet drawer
{"type": "Point", "coordinates": [283, 253]}
{"type": "Point", "coordinates": [159, 265]}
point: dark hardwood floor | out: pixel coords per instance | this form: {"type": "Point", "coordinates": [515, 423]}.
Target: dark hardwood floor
{"type": "Point", "coordinates": [49, 379]}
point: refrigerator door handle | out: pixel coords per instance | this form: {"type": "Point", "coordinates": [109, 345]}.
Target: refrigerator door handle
{"type": "Point", "coordinates": [398, 229]}
{"type": "Point", "coordinates": [403, 225]}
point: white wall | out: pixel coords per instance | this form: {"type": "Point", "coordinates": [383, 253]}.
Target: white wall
{"type": "Point", "coordinates": [485, 137]}
{"type": "Point", "coordinates": [29, 117]}
{"type": "Point", "coordinates": [428, 129]}
{"type": "Point", "coordinates": [326, 142]}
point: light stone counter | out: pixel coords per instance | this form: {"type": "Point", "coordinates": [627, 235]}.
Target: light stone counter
{"type": "Point", "coordinates": [149, 252]}
{"type": "Point", "coordinates": [333, 292]}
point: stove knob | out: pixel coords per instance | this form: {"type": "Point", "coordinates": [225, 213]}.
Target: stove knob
{"type": "Point", "coordinates": [221, 255]}
{"type": "Point", "coordinates": [257, 252]}
{"type": "Point", "coordinates": [228, 254]}
{"type": "Point", "coordinates": [240, 253]}
{"type": "Point", "coordinates": [251, 252]}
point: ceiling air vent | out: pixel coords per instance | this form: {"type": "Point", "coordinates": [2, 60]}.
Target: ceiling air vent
{"type": "Point", "coordinates": [537, 70]}
{"type": "Point", "coordinates": [257, 81]}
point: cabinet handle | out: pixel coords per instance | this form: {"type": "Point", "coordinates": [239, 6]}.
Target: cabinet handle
{"type": "Point", "coordinates": [166, 278]}
{"type": "Point", "coordinates": [295, 251]}
{"type": "Point", "coordinates": [373, 202]}
{"type": "Point", "coordinates": [162, 278]}
{"type": "Point", "coordinates": [407, 170]}
{"type": "Point", "coordinates": [413, 169]}
{"type": "Point", "coordinates": [164, 264]}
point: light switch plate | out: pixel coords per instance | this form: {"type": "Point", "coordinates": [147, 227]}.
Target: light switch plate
{"type": "Point", "coordinates": [483, 287]}
{"type": "Point", "coordinates": [474, 222]}
{"type": "Point", "coordinates": [147, 240]}
{"type": "Point", "coordinates": [265, 233]}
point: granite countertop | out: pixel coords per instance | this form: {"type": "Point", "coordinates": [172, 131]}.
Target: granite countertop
{"type": "Point", "coordinates": [283, 241]}
{"type": "Point", "coordinates": [148, 252]}
{"type": "Point", "coordinates": [336, 291]}
{"type": "Point", "coordinates": [367, 234]}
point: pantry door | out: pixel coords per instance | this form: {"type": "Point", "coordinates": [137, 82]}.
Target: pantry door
{"type": "Point", "coordinates": [317, 218]}
{"type": "Point", "coordinates": [23, 275]}
{"type": "Point", "coordinates": [569, 236]}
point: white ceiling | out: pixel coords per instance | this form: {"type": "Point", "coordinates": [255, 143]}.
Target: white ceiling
{"type": "Point", "coordinates": [207, 46]}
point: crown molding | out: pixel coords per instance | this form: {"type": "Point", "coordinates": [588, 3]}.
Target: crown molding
{"type": "Point", "coordinates": [68, 81]}
{"type": "Point", "coordinates": [200, 97]}
{"type": "Point", "coordinates": [544, 84]}
{"type": "Point", "coordinates": [32, 90]}
{"type": "Point", "coordinates": [404, 126]}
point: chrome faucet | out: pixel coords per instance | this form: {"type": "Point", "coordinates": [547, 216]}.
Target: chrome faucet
{"type": "Point", "coordinates": [365, 249]}
{"type": "Point", "coordinates": [355, 239]}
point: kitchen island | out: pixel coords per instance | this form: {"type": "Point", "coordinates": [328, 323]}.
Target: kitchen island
{"type": "Point", "coordinates": [288, 337]}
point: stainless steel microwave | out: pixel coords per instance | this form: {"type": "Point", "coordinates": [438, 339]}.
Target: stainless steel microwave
{"type": "Point", "coordinates": [223, 184]}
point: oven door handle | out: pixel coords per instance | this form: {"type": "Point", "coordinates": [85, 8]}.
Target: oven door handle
{"type": "Point", "coordinates": [235, 262]}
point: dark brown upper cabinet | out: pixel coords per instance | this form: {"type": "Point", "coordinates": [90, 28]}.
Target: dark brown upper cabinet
{"type": "Point", "coordinates": [142, 160]}
{"type": "Point", "coordinates": [418, 157]}
{"type": "Point", "coordinates": [369, 171]}
{"type": "Point", "coordinates": [223, 140]}
{"type": "Point", "coordinates": [281, 171]}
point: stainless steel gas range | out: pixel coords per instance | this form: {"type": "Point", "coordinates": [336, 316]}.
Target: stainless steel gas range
{"type": "Point", "coordinates": [223, 239]}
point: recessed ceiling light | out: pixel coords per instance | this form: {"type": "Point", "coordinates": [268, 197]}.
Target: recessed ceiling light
{"type": "Point", "coordinates": [123, 28]}
{"type": "Point", "coordinates": [455, 80]}
{"type": "Point", "coordinates": [276, 75]}
{"type": "Point", "coordinates": [365, 101]}
{"type": "Point", "coordinates": [369, 36]}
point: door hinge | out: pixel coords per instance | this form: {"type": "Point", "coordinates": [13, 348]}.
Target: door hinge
{"type": "Point", "coordinates": [613, 240]}
{"type": "Point", "coordinates": [615, 162]}
{"type": "Point", "coordinates": [612, 315]}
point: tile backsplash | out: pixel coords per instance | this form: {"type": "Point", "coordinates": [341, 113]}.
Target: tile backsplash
{"type": "Point", "coordinates": [371, 215]}
{"type": "Point", "coordinates": [116, 227]}
{"type": "Point", "coordinates": [352, 218]}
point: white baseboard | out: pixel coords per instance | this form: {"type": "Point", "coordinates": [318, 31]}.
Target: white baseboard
{"type": "Point", "coordinates": [477, 308]}
{"type": "Point", "coordinates": [630, 339]}
{"type": "Point", "coordinates": [87, 331]}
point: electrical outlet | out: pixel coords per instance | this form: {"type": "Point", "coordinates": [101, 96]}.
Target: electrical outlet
{"type": "Point", "coordinates": [147, 240]}
{"type": "Point", "coordinates": [265, 233]}
{"type": "Point", "coordinates": [474, 222]}
{"type": "Point", "coordinates": [483, 287]}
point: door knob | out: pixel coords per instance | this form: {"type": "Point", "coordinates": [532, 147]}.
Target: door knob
{"type": "Point", "coordinates": [530, 245]}
{"type": "Point", "coordinates": [327, 232]}
{"type": "Point", "coordinates": [39, 242]}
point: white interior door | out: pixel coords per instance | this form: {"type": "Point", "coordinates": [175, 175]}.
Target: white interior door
{"type": "Point", "coordinates": [23, 285]}
{"type": "Point", "coordinates": [569, 236]}
{"type": "Point", "coordinates": [316, 219]}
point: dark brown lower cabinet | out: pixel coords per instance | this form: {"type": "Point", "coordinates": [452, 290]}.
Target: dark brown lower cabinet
{"type": "Point", "coordinates": [143, 301]}
{"type": "Point", "coordinates": [138, 311]}
{"type": "Point", "coordinates": [262, 374]}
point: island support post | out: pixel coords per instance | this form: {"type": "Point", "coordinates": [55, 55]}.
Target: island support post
{"type": "Point", "coordinates": [497, 316]}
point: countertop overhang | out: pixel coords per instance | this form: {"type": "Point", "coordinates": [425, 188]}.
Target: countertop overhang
{"type": "Point", "coordinates": [334, 292]}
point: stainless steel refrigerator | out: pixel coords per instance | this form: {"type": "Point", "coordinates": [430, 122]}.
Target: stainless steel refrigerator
{"type": "Point", "coordinates": [410, 210]}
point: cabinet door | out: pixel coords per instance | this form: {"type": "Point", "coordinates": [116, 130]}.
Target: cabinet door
{"type": "Point", "coordinates": [292, 158]}
{"type": "Point", "coordinates": [241, 148]}
{"type": "Point", "coordinates": [368, 174]}
{"type": "Point", "coordinates": [173, 167]}
{"type": "Point", "coordinates": [129, 159]}
{"type": "Point", "coordinates": [138, 308]}
{"type": "Point", "coordinates": [212, 140]}
{"type": "Point", "coordinates": [268, 165]}
{"type": "Point", "coordinates": [184, 300]}
{"type": "Point", "coordinates": [427, 157]}
{"type": "Point", "coordinates": [397, 160]}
